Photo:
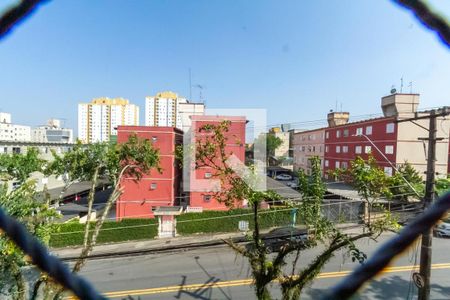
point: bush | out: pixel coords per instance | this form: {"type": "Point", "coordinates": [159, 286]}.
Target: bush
{"type": "Point", "coordinates": [227, 221]}
{"type": "Point", "coordinates": [71, 234]}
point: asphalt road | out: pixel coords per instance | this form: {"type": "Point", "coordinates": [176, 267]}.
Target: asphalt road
{"type": "Point", "coordinates": [218, 273]}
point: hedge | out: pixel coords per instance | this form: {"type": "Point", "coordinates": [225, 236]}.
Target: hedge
{"type": "Point", "coordinates": [227, 221]}
{"type": "Point", "coordinates": [71, 234]}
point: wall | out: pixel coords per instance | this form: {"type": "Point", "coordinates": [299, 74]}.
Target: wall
{"type": "Point", "coordinates": [307, 144]}
{"type": "Point", "coordinates": [378, 136]}
{"type": "Point", "coordinates": [235, 145]}
{"type": "Point", "coordinates": [154, 189]}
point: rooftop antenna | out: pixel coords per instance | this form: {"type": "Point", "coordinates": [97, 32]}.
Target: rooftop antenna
{"type": "Point", "coordinates": [190, 85]}
{"type": "Point", "coordinates": [401, 85]}
{"type": "Point", "coordinates": [336, 105]}
{"type": "Point", "coordinates": [410, 87]}
{"type": "Point", "coordinates": [200, 87]}
{"type": "Point", "coordinates": [341, 106]}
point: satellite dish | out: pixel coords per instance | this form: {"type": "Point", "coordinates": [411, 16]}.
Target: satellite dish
{"type": "Point", "coordinates": [393, 91]}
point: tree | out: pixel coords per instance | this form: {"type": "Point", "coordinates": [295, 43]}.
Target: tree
{"type": "Point", "coordinates": [399, 189]}
{"type": "Point", "coordinates": [23, 205]}
{"type": "Point", "coordinates": [102, 160]}
{"type": "Point", "coordinates": [369, 180]}
{"type": "Point", "coordinates": [19, 167]}
{"type": "Point", "coordinates": [271, 143]}
{"type": "Point", "coordinates": [238, 186]}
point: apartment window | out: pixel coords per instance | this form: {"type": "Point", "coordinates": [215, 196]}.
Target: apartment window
{"type": "Point", "coordinates": [338, 133]}
{"type": "Point", "coordinates": [338, 149]}
{"type": "Point", "coordinates": [153, 186]}
{"type": "Point", "coordinates": [359, 131]}
{"type": "Point", "coordinates": [154, 139]}
{"type": "Point", "coordinates": [16, 150]}
{"type": "Point", "coordinates": [206, 198]}
{"type": "Point", "coordinates": [390, 128]}
{"type": "Point", "coordinates": [327, 163]}
{"type": "Point", "coordinates": [358, 149]}
{"type": "Point", "coordinates": [388, 171]}
{"type": "Point", "coordinates": [337, 165]}
{"type": "Point", "coordinates": [344, 165]}
{"type": "Point", "coordinates": [208, 175]}
{"type": "Point", "coordinates": [344, 149]}
{"type": "Point", "coordinates": [367, 149]}
{"type": "Point", "coordinates": [345, 132]}
{"type": "Point", "coordinates": [326, 148]}
{"type": "Point", "coordinates": [389, 149]}
{"type": "Point", "coordinates": [327, 135]}
{"type": "Point", "coordinates": [368, 130]}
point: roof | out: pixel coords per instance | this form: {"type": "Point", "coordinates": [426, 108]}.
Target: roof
{"type": "Point", "coordinates": [344, 190]}
{"type": "Point", "coordinates": [281, 189]}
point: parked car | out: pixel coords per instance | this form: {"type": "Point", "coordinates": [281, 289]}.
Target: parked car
{"type": "Point", "coordinates": [442, 229]}
{"type": "Point", "coordinates": [279, 237]}
{"type": "Point", "coordinates": [293, 185]}
{"type": "Point", "coordinates": [283, 177]}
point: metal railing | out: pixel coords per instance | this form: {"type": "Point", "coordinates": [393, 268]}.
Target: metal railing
{"type": "Point", "coordinates": [386, 253]}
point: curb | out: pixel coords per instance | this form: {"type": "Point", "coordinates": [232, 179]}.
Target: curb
{"type": "Point", "coordinates": [172, 248]}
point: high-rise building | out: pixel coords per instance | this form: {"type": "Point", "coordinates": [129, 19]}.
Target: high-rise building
{"type": "Point", "coordinates": [98, 120]}
{"type": "Point", "coordinates": [169, 109]}
{"type": "Point", "coordinates": [13, 132]}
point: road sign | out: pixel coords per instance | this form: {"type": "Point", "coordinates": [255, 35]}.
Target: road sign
{"type": "Point", "coordinates": [243, 225]}
{"type": "Point", "coordinates": [418, 280]}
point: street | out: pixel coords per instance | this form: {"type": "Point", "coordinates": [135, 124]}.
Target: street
{"type": "Point", "coordinates": [218, 273]}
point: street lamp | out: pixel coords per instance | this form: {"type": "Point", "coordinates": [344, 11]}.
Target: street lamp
{"type": "Point", "coordinates": [392, 165]}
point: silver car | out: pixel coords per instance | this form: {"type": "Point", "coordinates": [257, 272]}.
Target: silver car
{"type": "Point", "coordinates": [442, 229]}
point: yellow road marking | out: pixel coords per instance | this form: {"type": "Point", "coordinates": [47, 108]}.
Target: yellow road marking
{"type": "Point", "coordinates": [241, 282]}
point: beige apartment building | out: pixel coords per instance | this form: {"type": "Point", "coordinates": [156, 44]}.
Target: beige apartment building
{"type": "Point", "coordinates": [307, 144]}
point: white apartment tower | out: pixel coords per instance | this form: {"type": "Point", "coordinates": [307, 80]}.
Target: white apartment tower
{"type": "Point", "coordinates": [169, 109]}
{"type": "Point", "coordinates": [98, 120]}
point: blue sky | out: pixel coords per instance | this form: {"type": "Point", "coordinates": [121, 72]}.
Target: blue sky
{"type": "Point", "coordinates": [293, 58]}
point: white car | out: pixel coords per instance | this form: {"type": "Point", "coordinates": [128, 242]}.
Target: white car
{"type": "Point", "coordinates": [283, 177]}
{"type": "Point", "coordinates": [293, 185]}
{"type": "Point", "coordinates": [442, 229]}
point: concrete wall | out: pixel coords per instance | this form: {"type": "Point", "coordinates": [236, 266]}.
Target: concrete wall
{"type": "Point", "coordinates": [414, 151]}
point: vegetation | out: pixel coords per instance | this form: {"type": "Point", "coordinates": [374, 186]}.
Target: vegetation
{"type": "Point", "coordinates": [398, 187]}
{"type": "Point", "coordinates": [238, 185]}
{"type": "Point", "coordinates": [71, 234]}
{"type": "Point", "coordinates": [91, 162]}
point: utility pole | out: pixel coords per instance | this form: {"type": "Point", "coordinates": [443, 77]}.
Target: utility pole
{"type": "Point", "coordinates": [427, 236]}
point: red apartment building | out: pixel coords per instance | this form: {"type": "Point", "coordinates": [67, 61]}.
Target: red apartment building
{"type": "Point", "coordinates": [388, 141]}
{"type": "Point", "coordinates": [154, 189]}
{"type": "Point", "coordinates": [200, 195]}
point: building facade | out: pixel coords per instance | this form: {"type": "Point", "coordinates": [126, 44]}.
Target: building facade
{"type": "Point", "coordinates": [307, 144]}
{"type": "Point", "coordinates": [201, 179]}
{"type": "Point", "coordinates": [13, 132]}
{"type": "Point", "coordinates": [390, 142]}
{"type": "Point", "coordinates": [98, 120]}
{"type": "Point", "coordinates": [284, 136]}
{"type": "Point", "coordinates": [170, 110]}
{"type": "Point", "coordinates": [154, 189]}
{"type": "Point", "coordinates": [52, 133]}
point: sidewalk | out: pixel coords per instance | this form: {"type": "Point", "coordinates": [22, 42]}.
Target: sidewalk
{"type": "Point", "coordinates": [166, 244]}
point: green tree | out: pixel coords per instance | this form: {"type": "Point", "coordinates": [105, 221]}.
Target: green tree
{"type": "Point", "coordinates": [102, 160]}
{"type": "Point", "coordinates": [271, 143]}
{"type": "Point", "coordinates": [238, 185]}
{"type": "Point", "coordinates": [369, 180]}
{"type": "Point", "coordinates": [19, 166]}
{"type": "Point", "coordinates": [398, 187]}
{"type": "Point", "coordinates": [23, 205]}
